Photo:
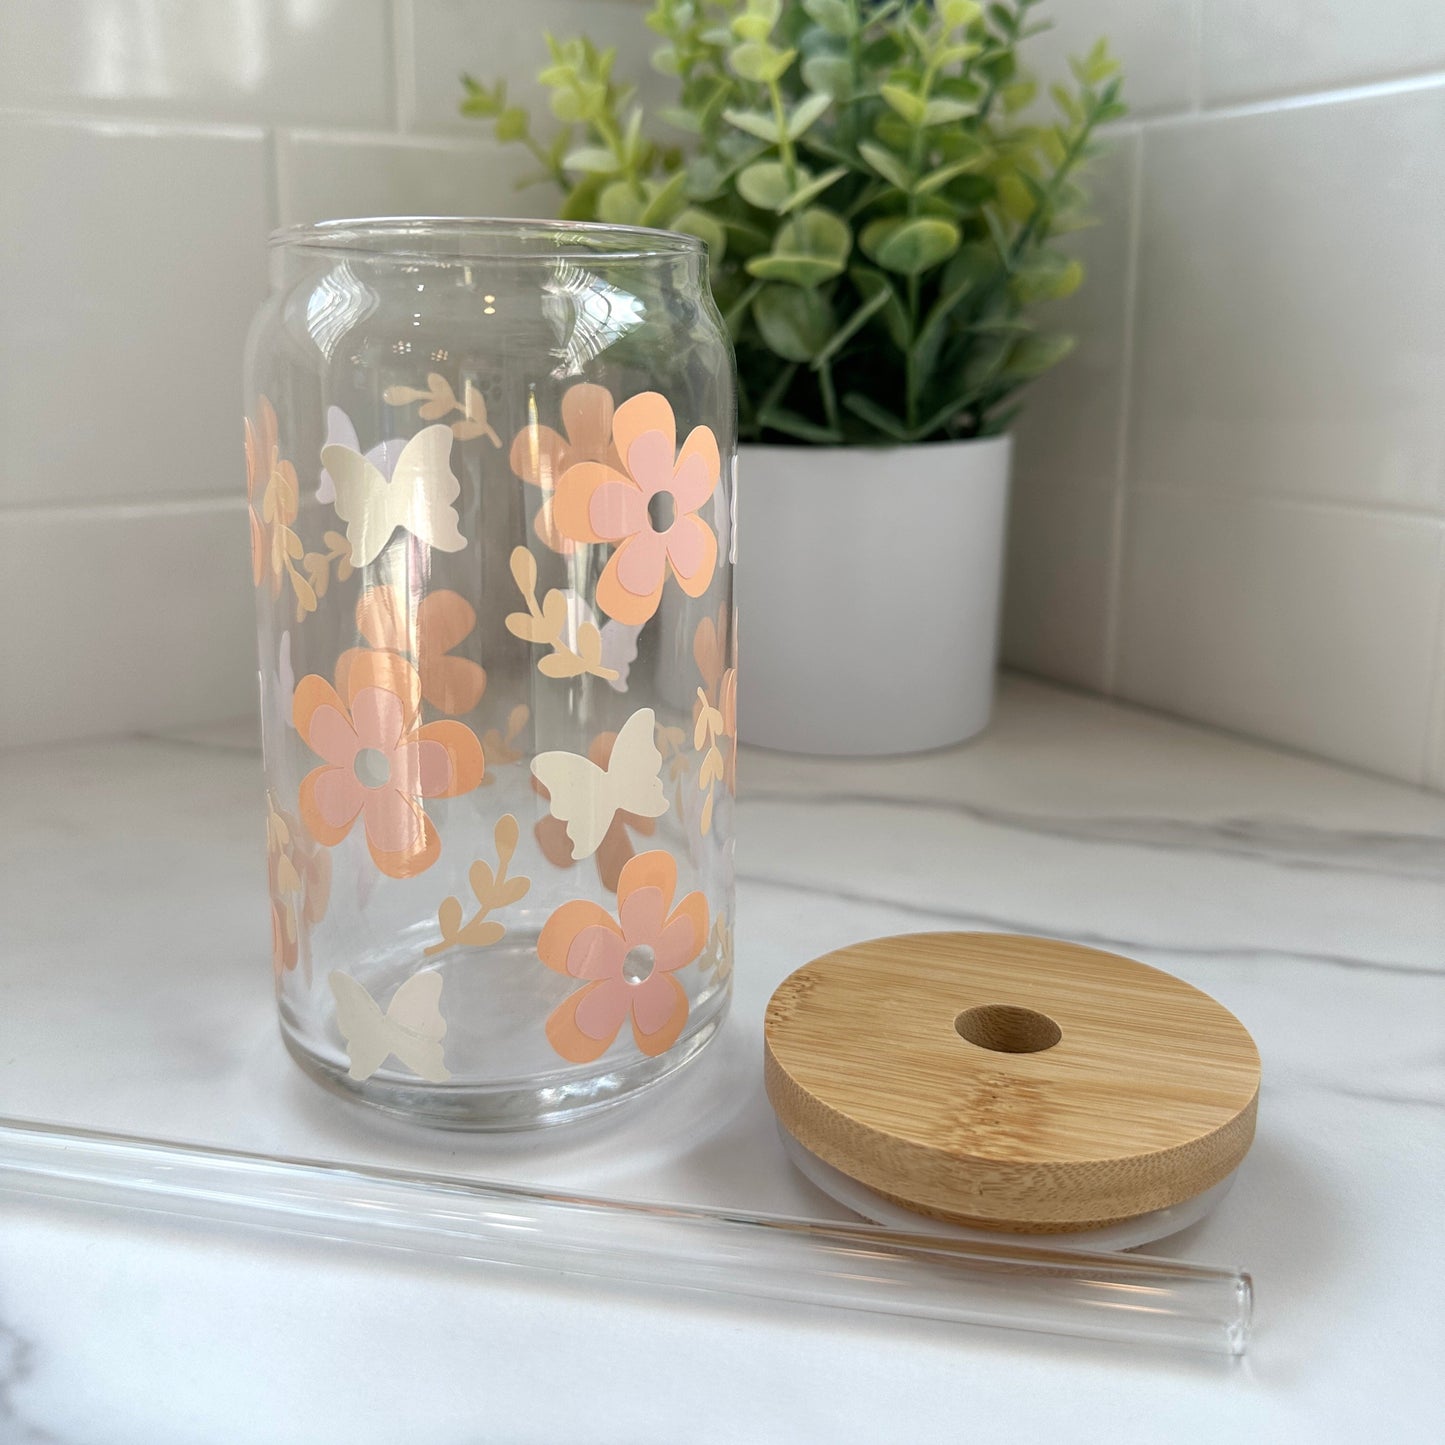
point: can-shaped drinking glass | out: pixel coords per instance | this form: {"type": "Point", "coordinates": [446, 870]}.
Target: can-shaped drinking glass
{"type": "Point", "coordinates": [489, 470]}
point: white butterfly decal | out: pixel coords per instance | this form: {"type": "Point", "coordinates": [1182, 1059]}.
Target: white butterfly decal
{"type": "Point", "coordinates": [418, 496]}
{"type": "Point", "coordinates": [411, 1028]}
{"type": "Point", "coordinates": [586, 797]}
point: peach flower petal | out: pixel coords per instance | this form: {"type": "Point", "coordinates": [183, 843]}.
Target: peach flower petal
{"type": "Point", "coordinates": [620, 604]}
{"type": "Point", "coordinates": [408, 862]}
{"type": "Point", "coordinates": [647, 411]}
{"type": "Point", "coordinates": [422, 768]}
{"type": "Point", "coordinates": [642, 913]}
{"type": "Point", "coordinates": [587, 411]}
{"type": "Point", "coordinates": [565, 1036]}
{"type": "Point", "coordinates": [392, 824]}
{"type": "Point", "coordinates": [564, 925]}
{"type": "Point", "coordinates": [678, 944]}
{"type": "Point", "coordinates": [699, 466]}
{"type": "Point", "coordinates": [332, 737]}
{"type": "Point", "coordinates": [654, 869]}
{"type": "Point", "coordinates": [572, 501]}
{"type": "Point", "coordinates": [379, 719]}
{"type": "Point", "coordinates": [464, 751]}
{"type": "Point", "coordinates": [642, 562]}
{"type": "Point", "coordinates": [657, 1041]}
{"type": "Point", "coordinates": [538, 456]}
{"type": "Point", "coordinates": [338, 797]}
{"type": "Point", "coordinates": [597, 952]}
{"type": "Point", "coordinates": [616, 510]}
{"type": "Point", "coordinates": [650, 459]}
{"type": "Point", "coordinates": [603, 1009]}
{"type": "Point", "coordinates": [691, 545]}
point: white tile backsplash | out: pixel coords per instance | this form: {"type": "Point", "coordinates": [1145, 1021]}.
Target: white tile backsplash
{"type": "Point", "coordinates": [295, 60]}
{"type": "Point", "coordinates": [124, 619]}
{"type": "Point", "coordinates": [1291, 314]}
{"type": "Point", "coordinates": [132, 265]}
{"type": "Point", "coordinates": [1312, 625]}
{"type": "Point", "coordinates": [321, 175]}
{"type": "Point", "coordinates": [1227, 503]}
{"type": "Point", "coordinates": [1253, 49]}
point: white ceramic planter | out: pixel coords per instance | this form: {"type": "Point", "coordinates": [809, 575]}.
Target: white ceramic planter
{"type": "Point", "coordinates": [868, 592]}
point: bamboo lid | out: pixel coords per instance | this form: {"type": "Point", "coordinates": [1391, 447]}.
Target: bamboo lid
{"type": "Point", "coordinates": [1010, 1083]}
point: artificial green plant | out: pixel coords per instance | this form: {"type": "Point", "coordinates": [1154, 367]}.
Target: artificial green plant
{"type": "Point", "coordinates": [878, 200]}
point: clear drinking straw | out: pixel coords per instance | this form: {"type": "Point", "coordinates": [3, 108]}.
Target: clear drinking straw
{"type": "Point", "coordinates": [850, 1266]}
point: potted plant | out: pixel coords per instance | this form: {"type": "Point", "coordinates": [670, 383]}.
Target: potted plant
{"type": "Point", "coordinates": [879, 200]}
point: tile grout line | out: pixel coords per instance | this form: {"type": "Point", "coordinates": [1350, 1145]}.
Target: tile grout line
{"type": "Point", "coordinates": [1432, 768]}
{"type": "Point", "coordinates": [1114, 601]}
{"type": "Point", "coordinates": [403, 66]}
{"type": "Point", "coordinates": [1381, 511]}
{"type": "Point", "coordinates": [121, 510]}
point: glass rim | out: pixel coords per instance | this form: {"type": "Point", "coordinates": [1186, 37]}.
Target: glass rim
{"type": "Point", "coordinates": [387, 236]}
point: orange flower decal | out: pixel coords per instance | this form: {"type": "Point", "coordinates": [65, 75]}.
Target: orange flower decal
{"type": "Point", "coordinates": [440, 622]}
{"type": "Point", "coordinates": [629, 962]}
{"type": "Point", "coordinates": [616, 847]}
{"type": "Point", "coordinates": [273, 499]}
{"type": "Point", "coordinates": [379, 765]}
{"type": "Point", "coordinates": [299, 874]}
{"type": "Point", "coordinates": [540, 456]}
{"type": "Point", "coordinates": [719, 692]}
{"type": "Point", "coordinates": [647, 506]}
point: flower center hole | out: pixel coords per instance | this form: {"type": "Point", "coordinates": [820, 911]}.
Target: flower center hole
{"type": "Point", "coordinates": [637, 966]}
{"type": "Point", "coordinates": [1008, 1029]}
{"type": "Point", "coordinates": [661, 511]}
{"type": "Point", "coordinates": [373, 769]}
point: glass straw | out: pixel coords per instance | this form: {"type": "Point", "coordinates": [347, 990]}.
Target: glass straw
{"type": "Point", "coordinates": [1021, 1286]}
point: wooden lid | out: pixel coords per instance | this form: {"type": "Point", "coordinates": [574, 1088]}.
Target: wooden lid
{"type": "Point", "coordinates": [1010, 1083]}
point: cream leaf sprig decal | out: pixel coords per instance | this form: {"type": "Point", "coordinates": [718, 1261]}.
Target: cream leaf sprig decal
{"type": "Point", "coordinates": [273, 503]}
{"type": "Point", "coordinates": [586, 798]}
{"type": "Point", "coordinates": [418, 496]}
{"type": "Point", "coordinates": [412, 1028]}
{"type": "Point", "coordinates": [548, 625]}
{"type": "Point", "coordinates": [318, 564]}
{"type": "Point", "coordinates": [439, 401]}
{"type": "Point", "coordinates": [705, 734]}
{"type": "Point", "coordinates": [499, 747]}
{"type": "Point", "coordinates": [493, 890]}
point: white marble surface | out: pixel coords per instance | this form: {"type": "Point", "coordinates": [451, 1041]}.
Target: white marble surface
{"type": "Point", "coordinates": [135, 995]}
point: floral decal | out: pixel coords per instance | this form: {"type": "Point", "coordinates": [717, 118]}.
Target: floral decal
{"type": "Point", "coordinates": [273, 502]}
{"type": "Point", "coordinates": [561, 621]}
{"type": "Point", "coordinates": [715, 715]}
{"type": "Point", "coordinates": [379, 765]}
{"type": "Point", "coordinates": [492, 889]}
{"type": "Point", "coordinates": [616, 847]}
{"type": "Point", "coordinates": [647, 506]}
{"type": "Point", "coordinates": [439, 401]}
{"type": "Point", "coordinates": [629, 963]}
{"type": "Point", "coordinates": [540, 456]}
{"type": "Point", "coordinates": [440, 622]}
{"type": "Point", "coordinates": [298, 871]}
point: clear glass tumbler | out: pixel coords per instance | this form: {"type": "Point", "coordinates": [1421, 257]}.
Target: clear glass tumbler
{"type": "Point", "coordinates": [489, 471]}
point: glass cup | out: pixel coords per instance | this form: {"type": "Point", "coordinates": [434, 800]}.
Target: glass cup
{"type": "Point", "coordinates": [490, 485]}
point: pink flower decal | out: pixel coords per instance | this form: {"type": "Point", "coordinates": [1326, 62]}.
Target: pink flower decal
{"type": "Point", "coordinates": [378, 764]}
{"type": "Point", "coordinates": [648, 509]}
{"type": "Point", "coordinates": [540, 455]}
{"type": "Point", "coordinates": [629, 962]}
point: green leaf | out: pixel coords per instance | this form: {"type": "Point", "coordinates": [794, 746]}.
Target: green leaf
{"type": "Point", "coordinates": [619, 204]}
{"type": "Point", "coordinates": [935, 180]}
{"type": "Point", "coordinates": [876, 417]}
{"type": "Point", "coordinates": [941, 111]}
{"type": "Point", "coordinates": [595, 160]}
{"type": "Point", "coordinates": [1046, 276]}
{"type": "Point", "coordinates": [830, 75]}
{"type": "Point", "coordinates": [886, 164]}
{"type": "Point", "coordinates": [794, 323]}
{"type": "Point", "coordinates": [853, 325]}
{"type": "Point", "coordinates": [806, 113]}
{"type": "Point", "coordinates": [1017, 96]}
{"type": "Point", "coordinates": [958, 13]}
{"type": "Point", "coordinates": [813, 189]}
{"type": "Point", "coordinates": [663, 199]}
{"type": "Point", "coordinates": [765, 184]}
{"type": "Point", "coordinates": [874, 283]}
{"type": "Point", "coordinates": [760, 62]}
{"type": "Point", "coordinates": [1035, 354]}
{"type": "Point", "coordinates": [904, 102]}
{"type": "Point", "coordinates": [909, 247]}
{"type": "Point", "coordinates": [834, 16]}
{"type": "Point", "coordinates": [693, 222]}
{"type": "Point", "coordinates": [810, 248]}
{"type": "Point", "coordinates": [755, 122]}
{"type": "Point", "coordinates": [511, 124]}
{"type": "Point", "coordinates": [779, 418]}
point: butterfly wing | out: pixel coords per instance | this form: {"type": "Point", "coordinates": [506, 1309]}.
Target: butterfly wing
{"type": "Point", "coordinates": [423, 489]}
{"type": "Point", "coordinates": [634, 772]}
{"type": "Point", "coordinates": [361, 1024]}
{"type": "Point", "coordinates": [363, 502]}
{"type": "Point", "coordinates": [416, 1026]}
{"type": "Point", "coordinates": [580, 797]}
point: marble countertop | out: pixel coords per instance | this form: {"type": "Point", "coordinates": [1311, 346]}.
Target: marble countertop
{"type": "Point", "coordinates": [135, 996]}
